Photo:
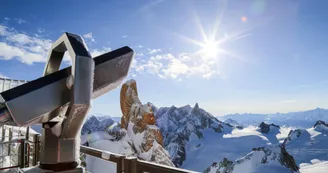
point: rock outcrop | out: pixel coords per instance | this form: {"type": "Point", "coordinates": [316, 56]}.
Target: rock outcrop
{"type": "Point", "coordinates": [266, 128]}
{"type": "Point", "coordinates": [320, 125]}
{"type": "Point", "coordinates": [139, 120]}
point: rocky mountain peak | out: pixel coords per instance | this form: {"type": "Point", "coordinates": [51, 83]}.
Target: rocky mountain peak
{"type": "Point", "coordinates": [321, 126]}
{"type": "Point", "coordinates": [139, 121]}
{"type": "Point", "coordinates": [195, 109]}
{"type": "Point", "coordinates": [266, 128]}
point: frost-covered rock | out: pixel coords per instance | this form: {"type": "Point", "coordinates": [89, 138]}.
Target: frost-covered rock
{"type": "Point", "coordinates": [179, 124]}
{"type": "Point", "coordinates": [137, 135]}
{"type": "Point", "coordinates": [263, 159]}
{"type": "Point", "coordinates": [139, 121]}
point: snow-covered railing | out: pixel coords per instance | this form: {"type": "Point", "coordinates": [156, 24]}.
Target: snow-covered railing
{"type": "Point", "coordinates": [19, 148]}
{"type": "Point", "coordinates": [130, 164]}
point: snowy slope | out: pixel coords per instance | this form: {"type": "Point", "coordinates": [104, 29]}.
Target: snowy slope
{"type": "Point", "coordinates": [233, 123]}
{"type": "Point", "coordinates": [303, 119]}
{"type": "Point", "coordinates": [194, 138]}
{"type": "Point", "coordinates": [316, 166]}
{"type": "Point", "coordinates": [104, 133]}
{"type": "Point", "coordinates": [308, 144]}
{"type": "Point", "coordinates": [268, 159]}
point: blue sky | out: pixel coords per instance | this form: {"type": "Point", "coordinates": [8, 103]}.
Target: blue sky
{"type": "Point", "coordinates": [269, 56]}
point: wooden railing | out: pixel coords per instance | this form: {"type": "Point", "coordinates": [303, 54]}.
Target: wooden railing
{"type": "Point", "coordinates": [28, 154]}
{"type": "Point", "coordinates": [130, 164]}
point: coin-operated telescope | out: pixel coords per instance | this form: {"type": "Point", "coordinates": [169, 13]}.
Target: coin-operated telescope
{"type": "Point", "coordinates": [60, 100]}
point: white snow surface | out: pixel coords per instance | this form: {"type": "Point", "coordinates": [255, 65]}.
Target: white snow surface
{"type": "Point", "coordinates": [213, 147]}
{"type": "Point", "coordinates": [316, 166]}
{"type": "Point", "coordinates": [97, 165]}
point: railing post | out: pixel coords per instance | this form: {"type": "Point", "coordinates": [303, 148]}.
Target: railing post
{"type": "Point", "coordinates": [36, 143]}
{"type": "Point", "coordinates": [21, 158]}
{"type": "Point", "coordinates": [9, 140]}
{"type": "Point", "coordinates": [3, 137]}
{"type": "Point", "coordinates": [27, 134]}
{"type": "Point", "coordinates": [119, 164]}
{"type": "Point", "coordinates": [130, 165]}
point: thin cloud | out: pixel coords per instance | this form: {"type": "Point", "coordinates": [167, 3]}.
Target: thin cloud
{"type": "Point", "coordinates": [20, 21]}
{"type": "Point", "coordinates": [89, 36]}
{"type": "Point", "coordinates": [139, 54]}
{"type": "Point", "coordinates": [7, 18]}
{"type": "Point", "coordinates": [124, 36]}
{"type": "Point", "coordinates": [151, 4]}
{"type": "Point", "coordinates": [153, 51]}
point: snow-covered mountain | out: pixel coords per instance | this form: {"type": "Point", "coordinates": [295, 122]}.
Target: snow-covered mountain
{"type": "Point", "coordinates": [99, 122]}
{"type": "Point", "coordinates": [184, 124]}
{"type": "Point", "coordinates": [308, 144]}
{"type": "Point", "coordinates": [303, 119]}
{"type": "Point", "coordinates": [233, 123]}
{"type": "Point", "coordinates": [137, 135]}
{"type": "Point", "coordinates": [269, 159]}
{"type": "Point", "coordinates": [194, 139]}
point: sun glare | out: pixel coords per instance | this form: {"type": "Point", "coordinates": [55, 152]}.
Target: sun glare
{"type": "Point", "coordinates": [210, 48]}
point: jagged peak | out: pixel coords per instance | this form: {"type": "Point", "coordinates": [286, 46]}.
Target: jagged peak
{"type": "Point", "coordinates": [195, 109]}
{"type": "Point", "coordinates": [196, 106]}
{"type": "Point", "coordinates": [320, 125]}
{"type": "Point", "coordinates": [320, 122]}
{"type": "Point", "coordinates": [266, 128]}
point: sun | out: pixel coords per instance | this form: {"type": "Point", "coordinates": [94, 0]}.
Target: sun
{"type": "Point", "coordinates": [210, 48]}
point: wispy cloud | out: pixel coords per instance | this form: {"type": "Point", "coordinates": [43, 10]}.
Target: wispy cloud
{"type": "Point", "coordinates": [151, 4]}
{"type": "Point", "coordinates": [40, 30]}
{"type": "Point", "coordinates": [32, 48]}
{"type": "Point", "coordinates": [140, 54]}
{"type": "Point", "coordinates": [289, 101]}
{"type": "Point", "coordinates": [169, 66]}
{"type": "Point", "coordinates": [124, 36]}
{"type": "Point", "coordinates": [153, 51]}
{"type": "Point", "coordinates": [7, 18]}
{"type": "Point", "coordinates": [97, 52]}
{"type": "Point", "coordinates": [27, 49]}
{"type": "Point", "coordinates": [20, 21]}
{"type": "Point", "coordinates": [89, 36]}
